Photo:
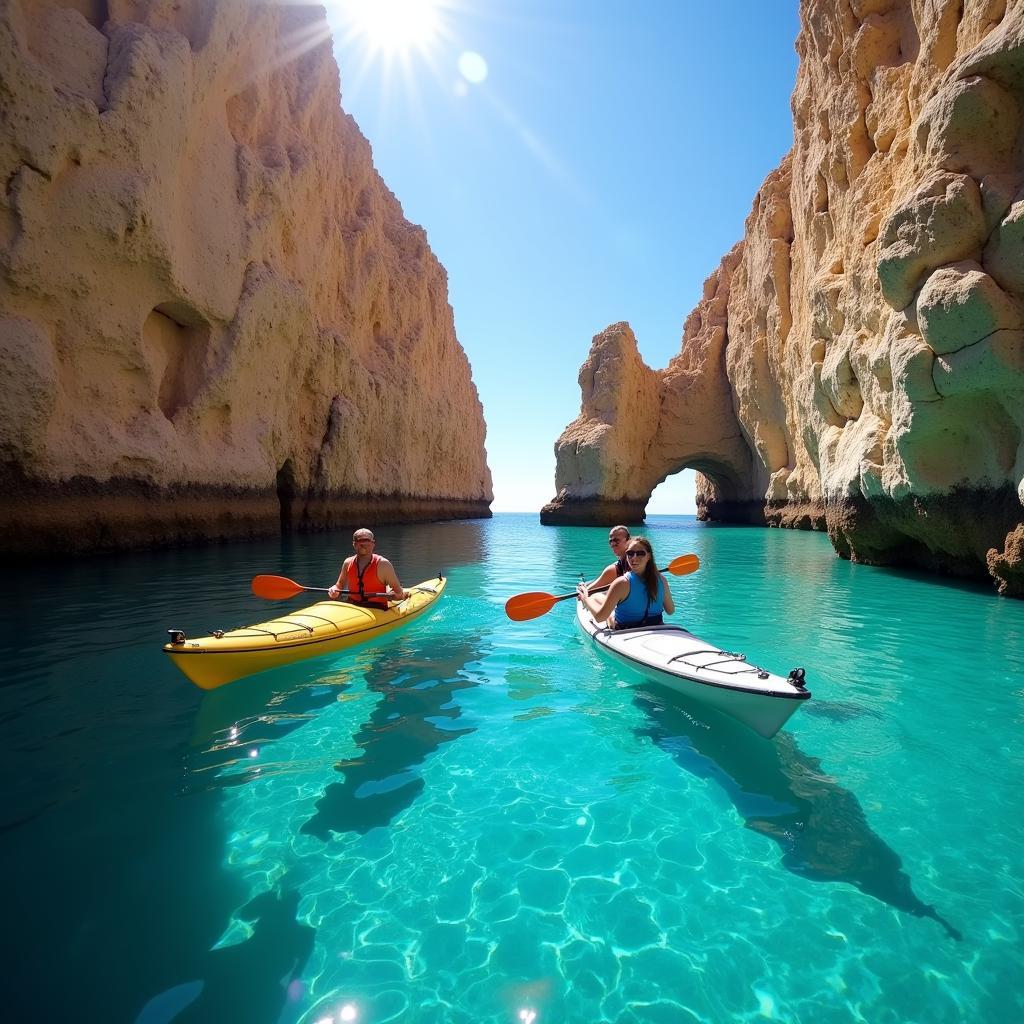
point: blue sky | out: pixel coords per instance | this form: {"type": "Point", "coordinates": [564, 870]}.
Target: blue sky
{"type": "Point", "coordinates": [598, 172]}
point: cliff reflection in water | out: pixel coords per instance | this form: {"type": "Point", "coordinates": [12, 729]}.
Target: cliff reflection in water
{"type": "Point", "coordinates": [416, 714]}
{"type": "Point", "coordinates": [418, 552]}
{"type": "Point", "coordinates": [270, 961]}
{"type": "Point", "coordinates": [783, 794]}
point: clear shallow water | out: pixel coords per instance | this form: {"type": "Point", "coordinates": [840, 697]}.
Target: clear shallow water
{"type": "Point", "coordinates": [480, 821]}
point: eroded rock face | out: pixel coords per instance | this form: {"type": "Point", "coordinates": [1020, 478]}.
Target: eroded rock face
{"type": "Point", "coordinates": [214, 318]}
{"type": "Point", "coordinates": [638, 426]}
{"type": "Point", "coordinates": [874, 313]}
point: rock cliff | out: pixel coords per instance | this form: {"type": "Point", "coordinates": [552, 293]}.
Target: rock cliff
{"type": "Point", "coordinates": [214, 318]}
{"type": "Point", "coordinates": [857, 361]}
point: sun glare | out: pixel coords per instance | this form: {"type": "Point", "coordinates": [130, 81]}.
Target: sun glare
{"type": "Point", "coordinates": [392, 26]}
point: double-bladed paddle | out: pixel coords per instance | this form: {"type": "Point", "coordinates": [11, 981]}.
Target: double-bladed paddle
{"type": "Point", "coordinates": [280, 588]}
{"type": "Point", "coordinates": [533, 605]}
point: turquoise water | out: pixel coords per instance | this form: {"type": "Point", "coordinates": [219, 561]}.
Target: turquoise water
{"type": "Point", "coordinates": [483, 821]}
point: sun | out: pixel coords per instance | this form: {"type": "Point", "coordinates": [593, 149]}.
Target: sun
{"type": "Point", "coordinates": [392, 27]}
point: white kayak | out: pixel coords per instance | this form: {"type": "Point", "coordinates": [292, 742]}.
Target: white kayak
{"type": "Point", "coordinates": [721, 679]}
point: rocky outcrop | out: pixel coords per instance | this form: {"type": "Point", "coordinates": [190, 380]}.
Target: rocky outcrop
{"type": "Point", "coordinates": [214, 318]}
{"type": "Point", "coordinates": [873, 326]}
{"type": "Point", "coordinates": [638, 426]}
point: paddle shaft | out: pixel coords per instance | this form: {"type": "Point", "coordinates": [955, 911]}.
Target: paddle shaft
{"type": "Point", "coordinates": [596, 590]}
{"type": "Point", "coordinates": [279, 588]}
{"type": "Point", "coordinates": [523, 607]}
{"type": "Point", "coordinates": [341, 593]}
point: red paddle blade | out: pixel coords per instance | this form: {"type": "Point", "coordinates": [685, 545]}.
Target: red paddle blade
{"type": "Point", "coordinates": [275, 588]}
{"type": "Point", "coordinates": [529, 606]}
{"type": "Point", "coordinates": [684, 565]}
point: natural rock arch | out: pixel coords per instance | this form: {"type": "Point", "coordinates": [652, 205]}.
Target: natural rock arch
{"type": "Point", "coordinates": [863, 346]}
{"type": "Point", "coordinates": [639, 426]}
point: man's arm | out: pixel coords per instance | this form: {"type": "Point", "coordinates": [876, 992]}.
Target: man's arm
{"type": "Point", "coordinates": [387, 575]}
{"type": "Point", "coordinates": [608, 575]}
{"type": "Point", "coordinates": [342, 576]}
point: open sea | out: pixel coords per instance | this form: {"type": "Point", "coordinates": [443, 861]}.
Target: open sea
{"type": "Point", "coordinates": [482, 821]}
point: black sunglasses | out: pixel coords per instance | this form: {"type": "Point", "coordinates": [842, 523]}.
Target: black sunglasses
{"type": "Point", "coordinates": [616, 540]}
{"type": "Point", "coordinates": [636, 554]}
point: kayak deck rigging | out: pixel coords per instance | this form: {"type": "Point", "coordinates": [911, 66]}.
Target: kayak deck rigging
{"type": "Point", "coordinates": [245, 631]}
{"type": "Point", "coordinates": [725, 657]}
{"type": "Point", "coordinates": [675, 657]}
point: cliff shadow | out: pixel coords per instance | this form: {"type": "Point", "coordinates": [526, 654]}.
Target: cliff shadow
{"type": "Point", "coordinates": [417, 714]}
{"type": "Point", "coordinates": [784, 795]}
{"type": "Point", "coordinates": [421, 551]}
{"type": "Point", "coordinates": [250, 980]}
{"type": "Point", "coordinates": [418, 551]}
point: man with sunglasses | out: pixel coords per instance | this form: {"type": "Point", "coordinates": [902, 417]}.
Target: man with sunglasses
{"type": "Point", "coordinates": [367, 573]}
{"type": "Point", "coordinates": [618, 539]}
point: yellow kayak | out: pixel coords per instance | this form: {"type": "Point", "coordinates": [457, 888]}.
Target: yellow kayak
{"type": "Point", "coordinates": [322, 628]}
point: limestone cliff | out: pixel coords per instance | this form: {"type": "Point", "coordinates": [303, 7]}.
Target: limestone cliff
{"type": "Point", "coordinates": [864, 340]}
{"type": "Point", "coordinates": [214, 318]}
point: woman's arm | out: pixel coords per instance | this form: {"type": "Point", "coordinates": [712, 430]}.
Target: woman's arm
{"type": "Point", "coordinates": [602, 605]}
{"type": "Point", "coordinates": [670, 605]}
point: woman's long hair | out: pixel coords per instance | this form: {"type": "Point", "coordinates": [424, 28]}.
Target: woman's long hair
{"type": "Point", "coordinates": [650, 573]}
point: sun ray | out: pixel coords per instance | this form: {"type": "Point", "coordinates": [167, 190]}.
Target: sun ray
{"type": "Point", "coordinates": [293, 45]}
{"type": "Point", "coordinates": [393, 66]}
{"type": "Point", "coordinates": [542, 153]}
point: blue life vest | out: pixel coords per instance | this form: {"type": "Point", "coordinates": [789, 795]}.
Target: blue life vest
{"type": "Point", "coordinates": [637, 607]}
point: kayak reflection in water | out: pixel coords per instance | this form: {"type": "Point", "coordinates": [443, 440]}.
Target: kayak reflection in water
{"type": "Point", "coordinates": [786, 796]}
{"type": "Point", "coordinates": [637, 599]}
{"type": "Point", "coordinates": [366, 578]}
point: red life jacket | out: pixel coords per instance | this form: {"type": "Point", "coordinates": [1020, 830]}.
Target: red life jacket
{"type": "Point", "coordinates": [365, 582]}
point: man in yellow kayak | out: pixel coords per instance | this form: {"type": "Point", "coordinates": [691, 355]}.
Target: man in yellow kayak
{"type": "Point", "coordinates": [365, 575]}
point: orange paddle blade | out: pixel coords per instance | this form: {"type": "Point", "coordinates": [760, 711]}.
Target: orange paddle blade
{"type": "Point", "coordinates": [683, 565]}
{"type": "Point", "coordinates": [275, 588]}
{"type": "Point", "coordinates": [529, 606]}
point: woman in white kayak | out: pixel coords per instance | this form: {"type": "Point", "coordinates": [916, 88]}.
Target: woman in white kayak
{"type": "Point", "coordinates": [637, 599]}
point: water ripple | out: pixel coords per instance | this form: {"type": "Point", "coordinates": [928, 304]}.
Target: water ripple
{"type": "Point", "coordinates": [482, 822]}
